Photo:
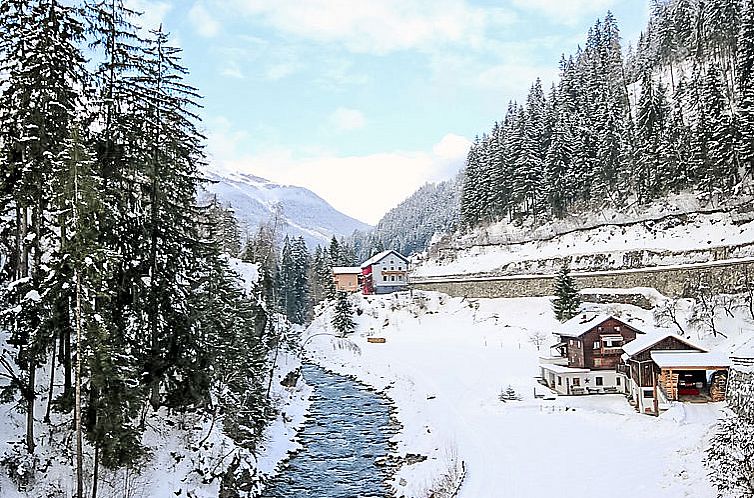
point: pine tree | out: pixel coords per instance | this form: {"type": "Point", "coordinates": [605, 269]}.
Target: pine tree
{"type": "Point", "coordinates": [566, 302]}
{"type": "Point", "coordinates": [37, 108]}
{"type": "Point", "coordinates": [342, 320]}
{"type": "Point", "coordinates": [730, 457]}
{"type": "Point", "coordinates": [745, 76]}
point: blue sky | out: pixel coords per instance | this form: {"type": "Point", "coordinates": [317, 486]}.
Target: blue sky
{"type": "Point", "coordinates": [365, 100]}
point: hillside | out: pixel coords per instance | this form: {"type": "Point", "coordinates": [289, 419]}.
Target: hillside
{"type": "Point", "coordinates": [446, 362]}
{"type": "Point", "coordinates": [255, 200]}
{"type": "Point", "coordinates": [434, 209]}
{"type": "Point", "coordinates": [672, 231]}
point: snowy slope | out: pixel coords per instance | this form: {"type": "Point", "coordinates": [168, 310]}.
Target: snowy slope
{"type": "Point", "coordinates": [676, 225]}
{"type": "Point", "coordinates": [444, 364]}
{"type": "Point", "coordinates": [255, 199]}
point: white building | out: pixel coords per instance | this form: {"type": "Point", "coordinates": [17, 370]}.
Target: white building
{"type": "Point", "coordinates": [384, 273]}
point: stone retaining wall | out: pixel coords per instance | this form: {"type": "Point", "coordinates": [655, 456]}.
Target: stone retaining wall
{"type": "Point", "coordinates": [720, 277]}
{"type": "Point", "coordinates": [741, 393]}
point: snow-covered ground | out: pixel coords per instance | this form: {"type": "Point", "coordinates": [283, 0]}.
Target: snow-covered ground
{"type": "Point", "coordinates": [174, 443]}
{"type": "Point", "coordinates": [444, 364]}
{"type": "Point", "coordinates": [488, 249]}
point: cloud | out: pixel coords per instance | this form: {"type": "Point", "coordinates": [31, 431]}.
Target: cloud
{"type": "Point", "coordinates": [231, 69]}
{"type": "Point", "coordinates": [203, 22]}
{"type": "Point", "coordinates": [153, 12]}
{"type": "Point", "coordinates": [392, 176]}
{"type": "Point", "coordinates": [565, 11]}
{"type": "Point", "coordinates": [345, 119]}
{"type": "Point", "coordinates": [368, 26]}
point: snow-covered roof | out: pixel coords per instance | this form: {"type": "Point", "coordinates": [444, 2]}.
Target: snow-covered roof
{"type": "Point", "coordinates": [380, 256]}
{"type": "Point", "coordinates": [564, 370]}
{"type": "Point", "coordinates": [652, 337]}
{"type": "Point", "coordinates": [584, 322]}
{"type": "Point", "coordinates": [350, 270]}
{"type": "Point", "coordinates": [689, 359]}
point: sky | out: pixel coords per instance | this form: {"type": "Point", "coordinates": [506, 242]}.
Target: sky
{"type": "Point", "coordinates": [364, 101]}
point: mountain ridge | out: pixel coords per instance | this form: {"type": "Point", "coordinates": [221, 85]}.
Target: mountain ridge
{"type": "Point", "coordinates": [255, 200]}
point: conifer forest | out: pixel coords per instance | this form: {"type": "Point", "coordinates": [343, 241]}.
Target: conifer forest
{"type": "Point", "coordinates": [115, 281]}
{"type": "Point", "coordinates": [626, 126]}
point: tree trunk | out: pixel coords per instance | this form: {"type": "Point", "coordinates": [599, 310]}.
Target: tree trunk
{"type": "Point", "coordinates": [52, 382]}
{"type": "Point", "coordinates": [79, 440]}
{"type": "Point", "coordinates": [95, 480]}
{"type": "Point", "coordinates": [30, 399]}
{"type": "Point", "coordinates": [67, 370]}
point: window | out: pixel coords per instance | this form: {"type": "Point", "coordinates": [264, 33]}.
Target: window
{"type": "Point", "coordinates": [576, 382]}
{"type": "Point", "coordinates": [648, 394]}
{"type": "Point", "coordinates": [400, 277]}
{"type": "Point", "coordinates": [617, 381]}
{"type": "Point", "coordinates": [596, 345]}
{"type": "Point", "coordinates": [560, 380]}
{"type": "Point", "coordinates": [392, 268]}
{"type": "Point", "coordinates": [392, 278]}
{"type": "Point", "coordinates": [384, 278]}
{"type": "Point", "coordinates": [400, 268]}
{"type": "Point", "coordinates": [617, 328]}
{"type": "Point", "coordinates": [598, 381]}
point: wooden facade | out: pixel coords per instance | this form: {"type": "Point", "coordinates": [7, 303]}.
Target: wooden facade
{"type": "Point", "coordinates": [643, 370]}
{"type": "Point", "coordinates": [600, 347]}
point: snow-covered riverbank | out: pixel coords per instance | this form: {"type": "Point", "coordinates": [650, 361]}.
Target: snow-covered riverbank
{"type": "Point", "coordinates": [445, 362]}
{"type": "Point", "coordinates": [188, 453]}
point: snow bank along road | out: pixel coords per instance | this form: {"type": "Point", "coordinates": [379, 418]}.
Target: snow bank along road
{"type": "Point", "coordinates": [445, 363]}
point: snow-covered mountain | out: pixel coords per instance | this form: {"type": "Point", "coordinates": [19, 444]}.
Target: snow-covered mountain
{"type": "Point", "coordinates": [254, 201]}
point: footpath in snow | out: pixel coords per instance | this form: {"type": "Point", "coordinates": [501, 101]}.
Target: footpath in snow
{"type": "Point", "coordinates": [444, 364]}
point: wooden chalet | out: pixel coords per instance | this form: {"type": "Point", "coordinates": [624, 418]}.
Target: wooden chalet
{"type": "Point", "coordinates": [588, 355]}
{"type": "Point", "coordinates": [664, 367]}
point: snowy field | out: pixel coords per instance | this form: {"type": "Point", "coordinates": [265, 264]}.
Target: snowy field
{"type": "Point", "coordinates": [444, 364]}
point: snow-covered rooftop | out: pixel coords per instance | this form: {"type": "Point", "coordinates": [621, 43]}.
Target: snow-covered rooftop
{"type": "Point", "coordinates": [350, 270]}
{"type": "Point", "coordinates": [380, 256]}
{"type": "Point", "coordinates": [584, 322]}
{"type": "Point", "coordinates": [689, 359]}
{"type": "Point", "coordinates": [652, 337]}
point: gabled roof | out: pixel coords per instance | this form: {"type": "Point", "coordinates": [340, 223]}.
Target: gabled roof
{"type": "Point", "coordinates": [379, 257]}
{"type": "Point", "coordinates": [349, 270]}
{"type": "Point", "coordinates": [645, 342]}
{"type": "Point", "coordinates": [689, 359]}
{"type": "Point", "coordinates": [583, 323]}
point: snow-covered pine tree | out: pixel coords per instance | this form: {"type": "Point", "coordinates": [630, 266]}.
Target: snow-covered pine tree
{"type": "Point", "coordinates": [745, 87]}
{"type": "Point", "coordinates": [730, 457]}
{"type": "Point", "coordinates": [723, 154]}
{"type": "Point", "coordinates": [170, 347]}
{"type": "Point", "coordinates": [300, 284]}
{"type": "Point", "coordinates": [232, 323]}
{"type": "Point", "coordinates": [342, 320]}
{"type": "Point", "coordinates": [38, 104]}
{"type": "Point", "coordinates": [567, 301]}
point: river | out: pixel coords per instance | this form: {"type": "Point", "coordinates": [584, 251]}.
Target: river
{"type": "Point", "coordinates": [347, 430]}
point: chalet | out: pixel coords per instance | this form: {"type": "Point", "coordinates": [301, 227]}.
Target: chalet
{"type": "Point", "coordinates": [663, 367]}
{"type": "Point", "coordinates": [588, 354]}
{"type": "Point", "coordinates": [384, 273]}
{"type": "Point", "coordinates": [346, 278]}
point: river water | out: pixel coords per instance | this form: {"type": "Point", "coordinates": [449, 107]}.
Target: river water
{"type": "Point", "coordinates": [348, 428]}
